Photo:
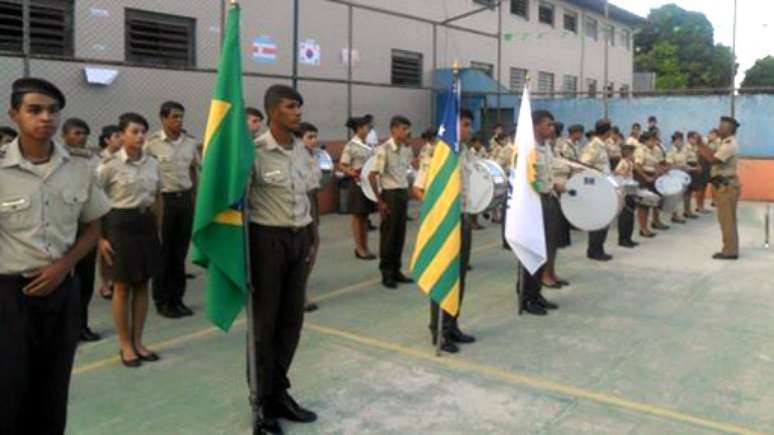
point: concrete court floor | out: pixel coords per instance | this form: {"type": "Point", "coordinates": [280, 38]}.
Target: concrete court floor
{"type": "Point", "coordinates": [662, 340]}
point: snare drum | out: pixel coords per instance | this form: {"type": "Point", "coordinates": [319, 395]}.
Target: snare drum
{"type": "Point", "coordinates": [628, 186]}
{"type": "Point", "coordinates": [646, 198]}
{"type": "Point", "coordinates": [326, 166]}
{"type": "Point", "coordinates": [592, 200]}
{"type": "Point", "coordinates": [487, 186]}
{"type": "Point", "coordinates": [365, 185]}
{"type": "Point", "coordinates": [671, 189]}
{"type": "Point", "coordinates": [681, 175]}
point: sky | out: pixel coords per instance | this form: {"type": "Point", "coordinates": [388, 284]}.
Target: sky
{"type": "Point", "coordinates": [755, 24]}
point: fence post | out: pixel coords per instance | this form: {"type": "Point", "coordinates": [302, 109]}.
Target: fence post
{"type": "Point", "coordinates": [26, 43]}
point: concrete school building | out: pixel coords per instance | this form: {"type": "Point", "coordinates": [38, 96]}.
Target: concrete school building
{"type": "Point", "coordinates": [111, 57]}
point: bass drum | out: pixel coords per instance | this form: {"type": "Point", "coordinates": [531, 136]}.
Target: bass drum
{"type": "Point", "coordinates": [487, 186]}
{"type": "Point", "coordinates": [326, 166]}
{"type": "Point", "coordinates": [364, 184]}
{"type": "Point", "coordinates": [592, 200]}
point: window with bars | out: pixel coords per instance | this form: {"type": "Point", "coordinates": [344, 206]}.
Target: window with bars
{"type": "Point", "coordinates": [570, 86]}
{"type": "Point", "coordinates": [160, 39]}
{"type": "Point", "coordinates": [625, 91]}
{"type": "Point", "coordinates": [608, 32]}
{"type": "Point", "coordinates": [571, 22]}
{"type": "Point", "coordinates": [546, 13]}
{"type": "Point", "coordinates": [546, 83]}
{"type": "Point", "coordinates": [406, 68]}
{"type": "Point", "coordinates": [486, 68]}
{"type": "Point", "coordinates": [591, 86]}
{"type": "Point", "coordinates": [626, 39]}
{"type": "Point", "coordinates": [518, 79]}
{"type": "Point", "coordinates": [520, 8]}
{"type": "Point", "coordinates": [51, 27]}
{"type": "Point", "coordinates": [590, 26]}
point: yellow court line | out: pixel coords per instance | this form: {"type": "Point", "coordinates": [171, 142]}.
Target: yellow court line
{"type": "Point", "coordinates": [536, 383]}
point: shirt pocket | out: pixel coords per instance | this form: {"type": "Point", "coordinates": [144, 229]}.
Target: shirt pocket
{"type": "Point", "coordinates": [275, 178]}
{"type": "Point", "coordinates": [16, 213]}
{"type": "Point", "coordinates": [73, 200]}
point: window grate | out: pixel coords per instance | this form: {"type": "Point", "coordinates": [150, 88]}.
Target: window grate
{"type": "Point", "coordinates": [160, 39]}
{"type": "Point", "coordinates": [406, 68]}
{"type": "Point", "coordinates": [518, 79]}
{"type": "Point", "coordinates": [520, 8]}
{"type": "Point", "coordinates": [51, 27]}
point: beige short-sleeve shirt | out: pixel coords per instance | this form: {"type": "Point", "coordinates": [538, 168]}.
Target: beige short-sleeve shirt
{"type": "Point", "coordinates": [279, 184]}
{"type": "Point", "coordinates": [646, 158]}
{"type": "Point", "coordinates": [356, 153]}
{"type": "Point", "coordinates": [176, 158]}
{"type": "Point", "coordinates": [625, 169]}
{"type": "Point", "coordinates": [728, 154]}
{"type": "Point", "coordinates": [595, 155]}
{"type": "Point", "coordinates": [466, 162]}
{"type": "Point", "coordinates": [315, 173]}
{"type": "Point", "coordinates": [42, 205]}
{"type": "Point", "coordinates": [613, 148]}
{"type": "Point", "coordinates": [392, 164]}
{"type": "Point", "coordinates": [569, 149]}
{"type": "Point", "coordinates": [130, 183]}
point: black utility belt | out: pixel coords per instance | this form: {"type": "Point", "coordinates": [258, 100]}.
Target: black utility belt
{"type": "Point", "coordinates": [720, 180]}
{"type": "Point", "coordinates": [179, 194]}
{"type": "Point", "coordinates": [281, 230]}
{"type": "Point", "coordinates": [131, 211]}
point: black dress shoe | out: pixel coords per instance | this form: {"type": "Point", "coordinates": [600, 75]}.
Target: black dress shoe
{"type": "Point", "coordinates": [130, 363]}
{"type": "Point", "coordinates": [545, 303]}
{"type": "Point", "coordinates": [660, 226]}
{"type": "Point", "coordinates": [534, 308]}
{"type": "Point", "coordinates": [679, 221]}
{"type": "Point", "coordinates": [403, 279]}
{"type": "Point", "coordinates": [151, 357]}
{"type": "Point", "coordinates": [390, 283]}
{"type": "Point", "coordinates": [286, 407]}
{"type": "Point", "coordinates": [89, 335]}
{"type": "Point", "coordinates": [168, 311]}
{"type": "Point", "coordinates": [447, 345]}
{"type": "Point", "coordinates": [366, 257]}
{"type": "Point", "coordinates": [600, 257]}
{"type": "Point", "coordinates": [647, 235]}
{"type": "Point", "coordinates": [457, 336]}
{"type": "Point", "coordinates": [563, 283]}
{"type": "Point", "coordinates": [722, 256]}
{"type": "Point", "coordinates": [266, 424]}
{"type": "Point", "coordinates": [626, 244]}
{"type": "Point", "coordinates": [183, 309]}
{"type": "Point", "coordinates": [310, 307]}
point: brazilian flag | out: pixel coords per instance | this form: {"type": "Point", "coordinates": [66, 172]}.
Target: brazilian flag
{"type": "Point", "coordinates": [219, 226]}
{"type": "Point", "coordinates": [436, 261]}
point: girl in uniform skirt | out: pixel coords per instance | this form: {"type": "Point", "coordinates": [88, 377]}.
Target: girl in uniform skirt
{"type": "Point", "coordinates": [130, 243]}
{"type": "Point", "coordinates": [354, 156]}
{"type": "Point", "coordinates": [109, 143]}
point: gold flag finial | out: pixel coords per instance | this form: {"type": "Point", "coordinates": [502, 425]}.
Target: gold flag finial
{"type": "Point", "coordinates": [456, 66]}
{"type": "Point", "coordinates": [233, 3]}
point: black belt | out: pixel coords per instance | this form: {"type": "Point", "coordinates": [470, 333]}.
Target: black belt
{"type": "Point", "coordinates": [176, 195]}
{"type": "Point", "coordinates": [132, 211]}
{"type": "Point", "coordinates": [280, 230]}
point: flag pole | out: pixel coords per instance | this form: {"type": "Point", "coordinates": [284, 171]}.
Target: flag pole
{"type": "Point", "coordinates": [520, 287]}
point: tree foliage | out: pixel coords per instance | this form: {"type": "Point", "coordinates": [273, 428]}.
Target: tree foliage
{"type": "Point", "coordinates": [678, 45]}
{"type": "Point", "coordinates": [760, 74]}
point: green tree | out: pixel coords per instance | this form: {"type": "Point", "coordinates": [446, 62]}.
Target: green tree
{"type": "Point", "coordinates": [760, 74]}
{"type": "Point", "coordinates": [687, 39]}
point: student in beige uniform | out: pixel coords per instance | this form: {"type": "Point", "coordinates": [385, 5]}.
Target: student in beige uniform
{"type": "Point", "coordinates": [109, 143]}
{"type": "Point", "coordinates": [570, 147]}
{"type": "Point", "coordinates": [625, 169]}
{"type": "Point", "coordinates": [476, 151]}
{"type": "Point", "coordinates": [634, 136]}
{"type": "Point", "coordinates": [282, 237]}
{"type": "Point", "coordinates": [505, 159]}
{"type": "Point", "coordinates": [451, 333]}
{"type": "Point", "coordinates": [130, 243]}
{"type": "Point", "coordinates": [354, 156]}
{"type": "Point", "coordinates": [646, 169]}
{"type": "Point", "coordinates": [595, 155]}
{"type": "Point", "coordinates": [178, 159]}
{"type": "Point", "coordinates": [7, 135]}
{"type": "Point", "coordinates": [390, 184]}
{"type": "Point", "coordinates": [497, 133]}
{"type": "Point", "coordinates": [308, 134]}
{"type": "Point", "coordinates": [46, 194]}
{"type": "Point", "coordinates": [683, 156]}
{"type": "Point", "coordinates": [677, 158]}
{"type": "Point", "coordinates": [713, 141]}
{"type": "Point", "coordinates": [613, 146]}
{"type": "Point", "coordinates": [727, 187]}
{"type": "Point", "coordinates": [254, 121]}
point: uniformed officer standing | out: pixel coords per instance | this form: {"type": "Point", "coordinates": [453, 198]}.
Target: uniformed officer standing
{"type": "Point", "coordinates": [390, 184]}
{"type": "Point", "coordinates": [647, 168]}
{"type": "Point", "coordinates": [45, 194]}
{"type": "Point", "coordinates": [504, 158]}
{"type": "Point", "coordinates": [308, 135]}
{"type": "Point", "coordinates": [595, 155]}
{"type": "Point", "coordinates": [178, 160]}
{"type": "Point", "coordinates": [75, 134]}
{"type": "Point", "coordinates": [727, 187]}
{"type": "Point", "coordinates": [282, 240]}
{"type": "Point", "coordinates": [451, 333]}
{"type": "Point", "coordinates": [532, 299]}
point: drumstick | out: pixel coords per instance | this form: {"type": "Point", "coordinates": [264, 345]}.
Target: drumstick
{"type": "Point", "coordinates": [577, 164]}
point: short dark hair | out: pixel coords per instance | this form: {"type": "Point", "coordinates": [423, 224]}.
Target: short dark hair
{"type": "Point", "coordinates": [652, 118]}
{"type": "Point", "coordinates": [276, 93]}
{"type": "Point", "coordinates": [577, 128]}
{"type": "Point", "coordinates": [168, 106]}
{"type": "Point", "coordinates": [107, 131]}
{"type": "Point", "coordinates": [678, 134]}
{"type": "Point", "coordinates": [636, 125]}
{"type": "Point", "coordinates": [498, 125]}
{"type": "Point", "coordinates": [358, 121]}
{"type": "Point", "coordinates": [627, 150]}
{"type": "Point", "coordinates": [131, 118]}
{"type": "Point", "coordinates": [73, 123]}
{"type": "Point", "coordinates": [644, 137]}
{"type": "Point", "coordinates": [8, 132]}
{"type": "Point", "coordinates": [430, 134]}
{"type": "Point", "coordinates": [539, 115]}
{"type": "Point", "coordinates": [558, 128]}
{"type": "Point", "coordinates": [22, 87]}
{"type": "Point", "coordinates": [399, 120]}
{"type": "Point", "coordinates": [477, 138]}
{"type": "Point", "coordinates": [602, 127]}
{"type": "Point", "coordinates": [467, 114]}
{"type": "Point", "coordinates": [305, 128]}
{"type": "Point", "coordinates": [254, 112]}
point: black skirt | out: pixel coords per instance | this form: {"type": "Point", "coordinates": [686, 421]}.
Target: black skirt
{"type": "Point", "coordinates": [358, 203]}
{"type": "Point", "coordinates": [133, 235]}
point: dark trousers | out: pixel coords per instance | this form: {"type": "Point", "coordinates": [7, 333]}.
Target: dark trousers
{"type": "Point", "coordinates": [626, 221]}
{"type": "Point", "coordinates": [86, 270]}
{"type": "Point", "coordinates": [176, 225]}
{"type": "Point", "coordinates": [533, 283]}
{"type": "Point", "coordinates": [278, 267]}
{"type": "Point", "coordinates": [552, 213]}
{"type": "Point", "coordinates": [37, 346]}
{"type": "Point", "coordinates": [503, 215]}
{"type": "Point", "coordinates": [449, 321]}
{"type": "Point", "coordinates": [392, 233]}
{"type": "Point", "coordinates": [597, 241]}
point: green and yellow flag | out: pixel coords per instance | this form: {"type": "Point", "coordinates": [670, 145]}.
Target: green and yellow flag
{"type": "Point", "coordinates": [218, 231]}
{"type": "Point", "coordinates": [435, 264]}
